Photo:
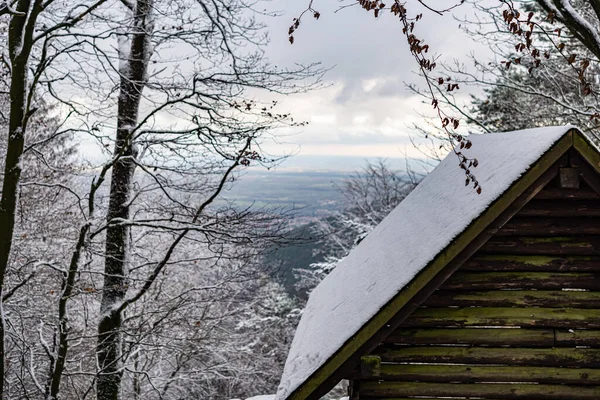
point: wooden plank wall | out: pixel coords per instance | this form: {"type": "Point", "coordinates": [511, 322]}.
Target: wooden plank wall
{"type": "Point", "coordinates": [519, 320]}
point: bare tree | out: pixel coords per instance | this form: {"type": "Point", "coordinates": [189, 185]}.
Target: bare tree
{"type": "Point", "coordinates": [184, 122]}
{"type": "Point", "coordinates": [169, 91]}
{"type": "Point", "coordinates": [219, 333]}
{"type": "Point", "coordinates": [28, 28]}
{"type": "Point", "coordinates": [518, 91]}
{"type": "Point", "coordinates": [369, 196]}
{"type": "Point", "coordinates": [39, 247]}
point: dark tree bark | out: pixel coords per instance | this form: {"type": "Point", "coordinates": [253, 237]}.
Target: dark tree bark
{"type": "Point", "coordinates": [20, 37]}
{"type": "Point", "coordinates": [132, 84]}
{"type": "Point", "coordinates": [584, 31]}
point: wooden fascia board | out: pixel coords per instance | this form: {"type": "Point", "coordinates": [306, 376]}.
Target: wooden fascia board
{"type": "Point", "coordinates": [587, 150]}
{"type": "Point", "coordinates": [314, 385]}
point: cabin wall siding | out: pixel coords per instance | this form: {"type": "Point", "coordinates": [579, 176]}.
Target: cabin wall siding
{"type": "Point", "coordinates": [519, 320]}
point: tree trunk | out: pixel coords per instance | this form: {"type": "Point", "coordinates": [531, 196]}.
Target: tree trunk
{"type": "Point", "coordinates": [133, 80]}
{"type": "Point", "coordinates": [19, 49]}
{"type": "Point", "coordinates": [115, 271]}
{"type": "Point", "coordinates": [58, 361]}
{"type": "Point", "coordinates": [12, 174]}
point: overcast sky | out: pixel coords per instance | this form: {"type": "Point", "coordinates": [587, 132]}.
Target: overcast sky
{"type": "Point", "coordinates": [366, 110]}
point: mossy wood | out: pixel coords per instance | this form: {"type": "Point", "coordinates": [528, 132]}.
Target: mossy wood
{"type": "Point", "coordinates": [370, 366]}
{"type": "Point", "coordinates": [381, 390]}
{"type": "Point", "coordinates": [554, 245]}
{"type": "Point", "coordinates": [533, 263]}
{"type": "Point", "coordinates": [505, 317]}
{"type": "Point", "coordinates": [564, 357]}
{"type": "Point", "coordinates": [463, 281]}
{"type": "Point", "coordinates": [494, 337]}
{"type": "Point", "coordinates": [509, 310]}
{"type": "Point", "coordinates": [486, 373]}
{"type": "Point", "coordinates": [516, 298]}
{"type": "Point", "coordinates": [474, 337]}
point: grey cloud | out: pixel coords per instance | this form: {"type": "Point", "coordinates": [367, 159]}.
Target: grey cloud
{"type": "Point", "coordinates": [360, 49]}
{"type": "Point", "coordinates": [390, 86]}
{"type": "Point", "coordinates": [370, 137]}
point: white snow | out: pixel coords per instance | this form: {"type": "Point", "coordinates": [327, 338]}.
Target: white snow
{"type": "Point", "coordinates": [439, 209]}
{"type": "Point", "coordinates": [567, 8]}
{"type": "Point", "coordinates": [123, 47]}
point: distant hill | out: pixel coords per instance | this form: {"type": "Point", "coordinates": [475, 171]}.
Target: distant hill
{"type": "Point", "coordinates": [285, 260]}
{"type": "Point", "coordinates": [307, 183]}
{"type": "Point", "coordinates": [311, 194]}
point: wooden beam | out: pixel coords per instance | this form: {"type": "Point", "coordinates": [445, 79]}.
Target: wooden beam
{"type": "Point", "coordinates": [476, 373]}
{"type": "Point", "coordinates": [498, 316]}
{"type": "Point", "coordinates": [587, 151]}
{"type": "Point", "coordinates": [552, 245]}
{"type": "Point", "coordinates": [577, 337]}
{"type": "Point", "coordinates": [495, 337]}
{"type": "Point", "coordinates": [516, 298]}
{"type": "Point", "coordinates": [484, 390]}
{"type": "Point", "coordinates": [564, 209]}
{"type": "Point", "coordinates": [370, 366]}
{"type": "Point", "coordinates": [522, 280]}
{"type": "Point", "coordinates": [565, 357]}
{"type": "Point", "coordinates": [583, 193]}
{"type": "Point", "coordinates": [539, 263]}
{"type": "Point", "coordinates": [548, 226]}
{"type": "Point", "coordinates": [474, 337]}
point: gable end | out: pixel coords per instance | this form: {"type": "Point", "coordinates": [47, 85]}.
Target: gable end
{"type": "Point", "coordinates": [519, 319]}
{"type": "Point", "coordinates": [443, 265]}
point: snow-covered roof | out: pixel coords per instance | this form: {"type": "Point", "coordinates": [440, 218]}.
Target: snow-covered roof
{"type": "Point", "coordinates": [406, 241]}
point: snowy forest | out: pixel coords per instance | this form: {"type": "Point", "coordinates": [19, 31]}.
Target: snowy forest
{"type": "Point", "coordinates": [130, 274]}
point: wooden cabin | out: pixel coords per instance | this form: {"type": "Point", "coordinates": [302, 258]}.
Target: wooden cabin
{"type": "Point", "coordinates": [464, 296]}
